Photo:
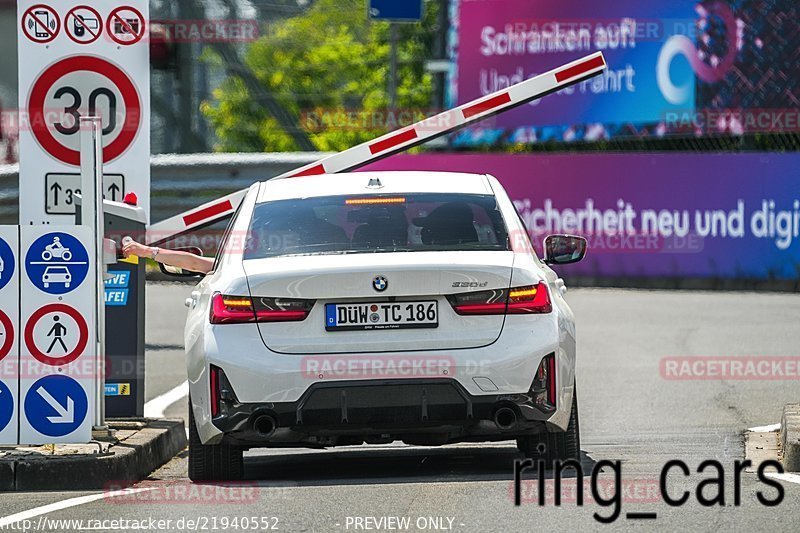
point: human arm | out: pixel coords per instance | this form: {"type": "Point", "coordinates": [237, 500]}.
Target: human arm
{"type": "Point", "coordinates": [183, 260]}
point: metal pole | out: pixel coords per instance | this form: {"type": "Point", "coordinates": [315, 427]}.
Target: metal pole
{"type": "Point", "coordinates": [393, 66]}
{"type": "Point", "coordinates": [440, 52]}
{"type": "Point", "coordinates": [92, 216]}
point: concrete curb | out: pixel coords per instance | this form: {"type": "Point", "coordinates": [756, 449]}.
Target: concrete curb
{"type": "Point", "coordinates": [132, 460]}
{"type": "Point", "coordinates": [790, 437]}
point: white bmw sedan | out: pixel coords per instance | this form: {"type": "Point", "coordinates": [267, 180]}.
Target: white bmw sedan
{"type": "Point", "coordinates": [372, 307]}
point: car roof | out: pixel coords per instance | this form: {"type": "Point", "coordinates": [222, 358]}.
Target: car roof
{"type": "Point", "coordinates": [356, 183]}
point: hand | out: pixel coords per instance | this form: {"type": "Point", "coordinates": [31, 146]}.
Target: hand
{"type": "Point", "coordinates": [134, 248]}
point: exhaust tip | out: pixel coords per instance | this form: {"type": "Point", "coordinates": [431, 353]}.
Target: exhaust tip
{"type": "Point", "coordinates": [505, 418]}
{"type": "Point", "coordinates": [265, 425]}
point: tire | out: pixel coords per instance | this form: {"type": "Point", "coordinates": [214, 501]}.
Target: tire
{"type": "Point", "coordinates": [218, 462]}
{"type": "Point", "coordinates": [550, 446]}
{"type": "Point", "coordinates": [67, 256]}
{"type": "Point", "coordinates": [46, 256]}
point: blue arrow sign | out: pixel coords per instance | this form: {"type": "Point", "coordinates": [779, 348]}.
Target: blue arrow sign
{"type": "Point", "coordinates": [56, 405]}
{"type": "Point", "coordinates": [6, 405]}
{"type": "Point", "coordinates": [7, 263]}
{"type": "Point", "coordinates": [57, 263]}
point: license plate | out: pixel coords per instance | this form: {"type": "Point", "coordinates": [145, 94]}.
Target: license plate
{"type": "Point", "coordinates": [384, 315]}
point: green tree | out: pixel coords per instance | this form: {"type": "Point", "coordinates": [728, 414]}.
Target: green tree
{"type": "Point", "coordinates": [329, 67]}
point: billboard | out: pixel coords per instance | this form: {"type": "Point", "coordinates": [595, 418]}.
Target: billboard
{"type": "Point", "coordinates": [733, 216]}
{"type": "Point", "coordinates": [677, 67]}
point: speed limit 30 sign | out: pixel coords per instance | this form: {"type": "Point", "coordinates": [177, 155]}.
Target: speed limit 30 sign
{"type": "Point", "coordinates": [63, 86]}
{"type": "Point", "coordinates": [97, 64]}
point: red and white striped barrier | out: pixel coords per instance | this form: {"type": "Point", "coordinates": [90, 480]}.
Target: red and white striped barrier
{"type": "Point", "coordinates": [396, 141]}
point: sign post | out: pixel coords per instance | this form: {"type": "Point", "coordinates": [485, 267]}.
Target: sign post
{"type": "Point", "coordinates": [76, 61]}
{"type": "Point", "coordinates": [92, 217]}
{"type": "Point", "coordinates": [394, 12]}
{"type": "Point", "coordinates": [9, 333]}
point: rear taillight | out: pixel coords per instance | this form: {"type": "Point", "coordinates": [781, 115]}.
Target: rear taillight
{"type": "Point", "coordinates": [519, 300]}
{"type": "Point", "coordinates": [227, 309]}
{"type": "Point", "coordinates": [231, 309]}
{"type": "Point", "coordinates": [480, 302]}
{"type": "Point", "coordinates": [281, 309]}
{"type": "Point", "coordinates": [531, 299]}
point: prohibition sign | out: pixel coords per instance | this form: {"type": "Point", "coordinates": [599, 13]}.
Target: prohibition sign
{"type": "Point", "coordinates": [9, 329]}
{"type": "Point", "coordinates": [80, 24]}
{"type": "Point", "coordinates": [117, 25]}
{"type": "Point", "coordinates": [48, 78]}
{"type": "Point", "coordinates": [43, 21]}
{"type": "Point", "coordinates": [83, 334]}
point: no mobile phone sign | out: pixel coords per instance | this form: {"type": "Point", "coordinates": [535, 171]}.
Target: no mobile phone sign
{"type": "Point", "coordinates": [41, 24]}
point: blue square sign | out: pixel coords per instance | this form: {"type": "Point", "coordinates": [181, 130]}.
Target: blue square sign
{"type": "Point", "coordinates": [396, 10]}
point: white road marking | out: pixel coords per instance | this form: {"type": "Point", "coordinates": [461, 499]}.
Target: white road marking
{"type": "Point", "coordinates": [155, 408]}
{"type": "Point", "coordinates": [766, 429]}
{"type": "Point", "coordinates": [791, 478]}
{"type": "Point", "coordinates": [65, 504]}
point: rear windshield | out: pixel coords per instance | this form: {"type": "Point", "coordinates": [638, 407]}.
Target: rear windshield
{"type": "Point", "coordinates": [370, 224]}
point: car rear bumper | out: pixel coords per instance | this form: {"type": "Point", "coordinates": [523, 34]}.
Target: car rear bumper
{"type": "Point", "coordinates": [426, 411]}
{"type": "Point", "coordinates": [265, 380]}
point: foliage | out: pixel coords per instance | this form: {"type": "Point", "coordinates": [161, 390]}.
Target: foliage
{"type": "Point", "coordinates": [329, 67]}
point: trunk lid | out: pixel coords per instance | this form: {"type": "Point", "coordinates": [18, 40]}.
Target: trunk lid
{"type": "Point", "coordinates": [348, 279]}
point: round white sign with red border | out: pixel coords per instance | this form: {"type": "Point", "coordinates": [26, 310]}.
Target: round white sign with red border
{"type": "Point", "coordinates": [7, 337]}
{"type": "Point", "coordinates": [41, 24]}
{"type": "Point", "coordinates": [83, 24]}
{"type": "Point", "coordinates": [56, 334]}
{"type": "Point", "coordinates": [78, 86]}
{"type": "Point", "coordinates": [125, 25]}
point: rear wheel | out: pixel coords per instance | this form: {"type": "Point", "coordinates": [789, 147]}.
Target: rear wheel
{"type": "Point", "coordinates": [215, 462]}
{"type": "Point", "coordinates": [556, 445]}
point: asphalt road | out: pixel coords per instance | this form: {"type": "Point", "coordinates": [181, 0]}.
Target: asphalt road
{"type": "Point", "coordinates": [629, 412]}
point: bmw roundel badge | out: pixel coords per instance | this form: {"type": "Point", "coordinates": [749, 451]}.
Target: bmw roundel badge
{"type": "Point", "coordinates": [380, 284]}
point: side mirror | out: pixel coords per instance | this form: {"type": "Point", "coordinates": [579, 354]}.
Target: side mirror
{"type": "Point", "coordinates": [177, 272]}
{"type": "Point", "coordinates": [564, 249]}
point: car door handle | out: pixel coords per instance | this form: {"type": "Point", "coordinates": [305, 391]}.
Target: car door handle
{"type": "Point", "coordinates": [562, 288]}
